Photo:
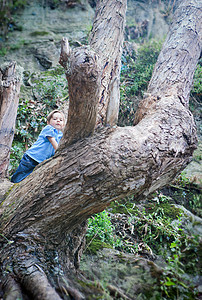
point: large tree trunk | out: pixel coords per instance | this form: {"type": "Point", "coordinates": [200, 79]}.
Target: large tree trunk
{"type": "Point", "coordinates": [43, 219]}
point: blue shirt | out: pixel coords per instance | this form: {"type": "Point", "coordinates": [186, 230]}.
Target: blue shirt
{"type": "Point", "coordinates": [42, 149]}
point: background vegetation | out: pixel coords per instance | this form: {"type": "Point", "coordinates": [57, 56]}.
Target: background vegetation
{"type": "Point", "coordinates": [7, 23]}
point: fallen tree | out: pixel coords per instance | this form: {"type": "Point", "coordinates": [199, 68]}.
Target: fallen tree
{"type": "Point", "coordinates": [43, 218]}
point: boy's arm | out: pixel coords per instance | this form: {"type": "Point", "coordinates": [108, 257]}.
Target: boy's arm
{"type": "Point", "coordinates": [53, 142]}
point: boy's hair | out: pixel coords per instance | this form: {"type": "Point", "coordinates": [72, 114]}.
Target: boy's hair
{"type": "Point", "coordinates": [53, 112]}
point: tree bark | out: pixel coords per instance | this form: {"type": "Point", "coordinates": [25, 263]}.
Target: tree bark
{"type": "Point", "coordinates": [9, 97]}
{"type": "Point", "coordinates": [83, 73]}
{"type": "Point", "coordinates": [43, 219]}
{"type": "Point", "coordinates": [107, 41]}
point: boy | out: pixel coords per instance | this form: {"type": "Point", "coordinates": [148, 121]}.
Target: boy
{"type": "Point", "coordinates": [43, 148]}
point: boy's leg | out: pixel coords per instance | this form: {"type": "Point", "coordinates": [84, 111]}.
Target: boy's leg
{"type": "Point", "coordinates": [26, 166]}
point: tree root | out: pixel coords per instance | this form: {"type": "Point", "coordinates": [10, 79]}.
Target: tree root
{"type": "Point", "coordinates": [12, 290]}
{"type": "Point", "coordinates": [74, 293]}
{"type": "Point", "coordinates": [115, 292]}
{"type": "Point", "coordinates": [66, 286]}
{"type": "Point", "coordinates": [34, 280]}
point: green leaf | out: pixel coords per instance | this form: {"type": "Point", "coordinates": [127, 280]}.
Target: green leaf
{"type": "Point", "coordinates": [173, 245]}
{"type": "Point", "coordinates": [169, 283]}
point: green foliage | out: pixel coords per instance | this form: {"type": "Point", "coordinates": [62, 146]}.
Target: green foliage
{"type": "Point", "coordinates": [7, 8]}
{"type": "Point", "coordinates": [152, 224]}
{"type": "Point", "coordinates": [17, 152]}
{"type": "Point", "coordinates": [175, 282]}
{"type": "Point", "coordinates": [18, 4]}
{"type": "Point", "coordinates": [182, 180]}
{"type": "Point", "coordinates": [197, 84]}
{"type": "Point", "coordinates": [17, 46]}
{"type": "Point", "coordinates": [100, 227]}
{"type": "Point", "coordinates": [28, 123]}
{"type": "Point", "coordinates": [196, 204]}
{"type": "Point", "coordinates": [3, 51]}
{"type": "Point", "coordinates": [184, 192]}
{"type": "Point", "coordinates": [50, 86]}
{"type": "Point", "coordinates": [39, 33]}
{"type": "Point", "coordinates": [136, 71]}
{"type": "Point", "coordinates": [135, 75]}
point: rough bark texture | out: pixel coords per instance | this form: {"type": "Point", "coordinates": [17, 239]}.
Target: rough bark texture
{"type": "Point", "coordinates": [83, 73]}
{"type": "Point", "coordinates": [43, 219]}
{"type": "Point", "coordinates": [9, 96]}
{"type": "Point", "coordinates": [107, 40]}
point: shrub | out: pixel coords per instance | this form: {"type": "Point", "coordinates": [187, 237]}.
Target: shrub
{"type": "Point", "coordinates": [135, 75]}
{"type": "Point", "coordinates": [100, 227]}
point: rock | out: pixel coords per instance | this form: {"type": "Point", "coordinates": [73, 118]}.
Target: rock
{"type": "Point", "coordinates": [189, 221]}
{"type": "Point", "coordinates": [148, 20]}
{"type": "Point", "coordinates": [47, 55]}
{"type": "Point", "coordinates": [127, 274]}
{"type": "Point", "coordinates": [194, 170]}
{"type": "Point", "coordinates": [36, 47]}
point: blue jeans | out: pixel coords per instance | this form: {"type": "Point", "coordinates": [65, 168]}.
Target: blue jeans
{"type": "Point", "coordinates": [26, 166]}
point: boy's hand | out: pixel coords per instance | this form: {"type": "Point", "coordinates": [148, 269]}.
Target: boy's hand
{"type": "Point", "coordinates": [53, 142]}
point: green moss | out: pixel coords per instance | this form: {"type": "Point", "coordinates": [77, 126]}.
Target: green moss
{"type": "Point", "coordinates": [39, 33]}
{"type": "Point", "coordinates": [167, 210]}
{"type": "Point", "coordinates": [94, 289]}
{"type": "Point", "coordinates": [91, 285]}
{"type": "Point", "coordinates": [123, 207]}
{"type": "Point", "coordinates": [3, 51]}
{"type": "Point", "coordinates": [95, 245]}
{"type": "Point", "coordinates": [59, 70]}
{"type": "Point", "coordinates": [130, 208]}
{"type": "Point", "coordinates": [18, 45]}
{"type": "Point", "coordinates": [171, 211]}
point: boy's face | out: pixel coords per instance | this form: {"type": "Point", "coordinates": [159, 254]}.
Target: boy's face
{"type": "Point", "coordinates": [57, 121]}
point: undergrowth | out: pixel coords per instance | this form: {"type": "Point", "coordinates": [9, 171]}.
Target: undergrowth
{"type": "Point", "coordinates": [136, 72]}
{"type": "Point", "coordinates": [156, 228]}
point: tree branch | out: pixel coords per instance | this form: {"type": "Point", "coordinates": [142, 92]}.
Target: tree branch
{"type": "Point", "coordinates": [83, 75]}
{"type": "Point", "coordinates": [65, 53]}
{"type": "Point", "coordinates": [107, 41]}
{"type": "Point", "coordinates": [174, 71]}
